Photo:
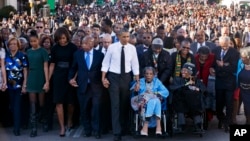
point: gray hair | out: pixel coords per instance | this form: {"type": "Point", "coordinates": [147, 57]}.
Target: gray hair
{"type": "Point", "coordinates": [107, 36]}
{"type": "Point", "coordinates": [224, 39]}
{"type": "Point", "coordinates": [148, 68]}
{"type": "Point", "coordinates": [245, 52]}
{"type": "Point", "coordinates": [23, 39]}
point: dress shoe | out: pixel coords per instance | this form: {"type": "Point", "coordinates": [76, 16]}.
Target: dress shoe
{"type": "Point", "coordinates": [220, 125]}
{"type": "Point", "coordinates": [33, 133]}
{"type": "Point", "coordinates": [117, 138]}
{"type": "Point", "coordinates": [87, 134]}
{"type": "Point", "coordinates": [16, 132]}
{"type": "Point", "coordinates": [226, 129]}
{"type": "Point", "coordinates": [158, 133]}
{"type": "Point", "coordinates": [143, 133]}
{"type": "Point", "coordinates": [62, 135]}
{"type": "Point", "coordinates": [97, 136]}
{"type": "Point", "coordinates": [45, 128]}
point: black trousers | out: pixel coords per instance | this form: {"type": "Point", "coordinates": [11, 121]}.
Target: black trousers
{"type": "Point", "coordinates": [120, 99]}
{"type": "Point", "coordinates": [224, 98]}
{"type": "Point", "coordinates": [90, 110]}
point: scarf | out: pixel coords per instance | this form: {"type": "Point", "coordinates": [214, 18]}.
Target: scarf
{"type": "Point", "coordinates": [177, 71]}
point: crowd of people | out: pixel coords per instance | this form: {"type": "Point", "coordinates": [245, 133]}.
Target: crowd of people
{"type": "Point", "coordinates": [81, 62]}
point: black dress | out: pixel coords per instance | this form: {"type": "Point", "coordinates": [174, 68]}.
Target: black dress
{"type": "Point", "coordinates": [62, 57]}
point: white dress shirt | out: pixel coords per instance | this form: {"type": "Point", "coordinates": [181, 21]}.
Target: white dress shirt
{"type": "Point", "coordinates": [112, 59]}
{"type": "Point", "coordinates": [104, 50]}
{"type": "Point", "coordinates": [200, 45]}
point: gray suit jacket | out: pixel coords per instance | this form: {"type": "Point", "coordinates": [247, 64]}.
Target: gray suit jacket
{"type": "Point", "coordinates": [194, 45]}
{"type": "Point", "coordinates": [245, 39]}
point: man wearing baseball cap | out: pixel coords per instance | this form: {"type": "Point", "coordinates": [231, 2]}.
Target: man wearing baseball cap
{"type": "Point", "coordinates": [159, 59]}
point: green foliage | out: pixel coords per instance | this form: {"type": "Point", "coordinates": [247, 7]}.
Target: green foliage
{"type": "Point", "coordinates": [7, 11]}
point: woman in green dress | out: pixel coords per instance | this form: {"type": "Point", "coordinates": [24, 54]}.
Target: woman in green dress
{"type": "Point", "coordinates": [38, 78]}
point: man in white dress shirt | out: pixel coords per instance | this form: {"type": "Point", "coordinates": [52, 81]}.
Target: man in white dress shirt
{"type": "Point", "coordinates": [118, 63]}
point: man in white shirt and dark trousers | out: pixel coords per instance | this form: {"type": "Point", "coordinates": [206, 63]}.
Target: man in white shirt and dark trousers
{"type": "Point", "coordinates": [119, 61]}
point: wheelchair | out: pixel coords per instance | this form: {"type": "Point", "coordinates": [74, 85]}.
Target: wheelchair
{"type": "Point", "coordinates": [188, 115]}
{"type": "Point", "coordinates": [137, 118]}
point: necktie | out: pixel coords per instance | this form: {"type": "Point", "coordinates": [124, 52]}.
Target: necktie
{"type": "Point", "coordinates": [222, 54]}
{"type": "Point", "coordinates": [122, 61]}
{"type": "Point", "coordinates": [87, 59]}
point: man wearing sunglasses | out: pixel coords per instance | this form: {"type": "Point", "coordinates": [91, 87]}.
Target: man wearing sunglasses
{"type": "Point", "coordinates": [39, 27]}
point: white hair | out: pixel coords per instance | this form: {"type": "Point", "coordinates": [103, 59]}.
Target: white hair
{"type": "Point", "coordinates": [23, 39]}
{"type": "Point", "coordinates": [224, 39]}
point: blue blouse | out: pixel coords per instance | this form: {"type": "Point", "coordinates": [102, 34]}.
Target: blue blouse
{"type": "Point", "coordinates": [14, 69]}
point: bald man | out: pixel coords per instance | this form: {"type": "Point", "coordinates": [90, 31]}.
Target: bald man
{"type": "Point", "coordinates": [89, 85]}
{"type": "Point", "coordinates": [200, 37]}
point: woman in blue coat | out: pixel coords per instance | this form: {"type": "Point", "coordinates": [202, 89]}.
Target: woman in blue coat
{"type": "Point", "coordinates": [149, 97]}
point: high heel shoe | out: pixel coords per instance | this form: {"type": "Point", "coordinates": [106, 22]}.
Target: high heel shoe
{"type": "Point", "coordinates": [63, 135]}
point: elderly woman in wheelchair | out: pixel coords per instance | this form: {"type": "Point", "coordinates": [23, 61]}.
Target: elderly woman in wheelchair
{"type": "Point", "coordinates": [151, 91]}
{"type": "Point", "coordinates": [188, 97]}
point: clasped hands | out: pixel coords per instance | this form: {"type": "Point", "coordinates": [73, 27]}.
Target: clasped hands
{"type": "Point", "coordinates": [105, 83]}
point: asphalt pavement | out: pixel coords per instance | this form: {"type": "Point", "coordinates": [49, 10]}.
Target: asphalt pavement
{"type": "Point", "coordinates": [212, 134]}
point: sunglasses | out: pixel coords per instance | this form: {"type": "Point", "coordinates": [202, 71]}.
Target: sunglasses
{"type": "Point", "coordinates": [146, 37]}
{"type": "Point", "coordinates": [186, 47]}
{"type": "Point", "coordinates": [39, 27]}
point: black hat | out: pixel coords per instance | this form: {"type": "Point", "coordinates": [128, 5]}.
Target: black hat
{"type": "Point", "coordinates": [190, 67]}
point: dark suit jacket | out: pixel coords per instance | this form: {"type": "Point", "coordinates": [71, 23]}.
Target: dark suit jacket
{"type": "Point", "coordinates": [140, 49]}
{"type": "Point", "coordinates": [245, 39]}
{"type": "Point", "coordinates": [164, 64]}
{"type": "Point", "coordinates": [193, 46]}
{"type": "Point", "coordinates": [84, 74]}
{"type": "Point", "coordinates": [225, 76]}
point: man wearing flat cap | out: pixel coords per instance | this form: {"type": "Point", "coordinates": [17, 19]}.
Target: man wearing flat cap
{"type": "Point", "coordinates": [159, 59]}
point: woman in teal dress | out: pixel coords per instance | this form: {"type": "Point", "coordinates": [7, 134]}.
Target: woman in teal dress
{"type": "Point", "coordinates": [38, 78]}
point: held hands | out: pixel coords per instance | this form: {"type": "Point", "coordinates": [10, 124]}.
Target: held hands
{"type": "Point", "coordinates": [46, 87]}
{"type": "Point", "coordinates": [105, 82]}
{"type": "Point", "coordinates": [4, 87]}
{"type": "Point", "coordinates": [137, 86]}
{"type": "Point", "coordinates": [73, 83]}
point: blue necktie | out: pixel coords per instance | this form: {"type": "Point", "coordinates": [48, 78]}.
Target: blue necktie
{"type": "Point", "coordinates": [87, 59]}
{"type": "Point", "coordinates": [222, 54]}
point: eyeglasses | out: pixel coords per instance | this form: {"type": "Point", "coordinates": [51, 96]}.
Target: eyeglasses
{"type": "Point", "coordinates": [146, 37]}
{"type": "Point", "coordinates": [186, 47]}
{"type": "Point", "coordinates": [39, 27]}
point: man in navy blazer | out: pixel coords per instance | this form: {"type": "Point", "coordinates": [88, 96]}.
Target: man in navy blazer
{"type": "Point", "coordinates": [200, 37]}
{"type": "Point", "coordinates": [224, 69]}
{"type": "Point", "coordinates": [87, 65]}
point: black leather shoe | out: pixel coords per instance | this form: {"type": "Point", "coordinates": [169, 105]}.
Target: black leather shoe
{"type": "Point", "coordinates": [33, 133]}
{"type": "Point", "coordinates": [62, 135]}
{"type": "Point", "coordinates": [97, 136]}
{"type": "Point", "coordinates": [16, 132]}
{"type": "Point", "coordinates": [87, 134]}
{"type": "Point", "coordinates": [220, 125]}
{"type": "Point", "coordinates": [226, 129]}
{"type": "Point", "coordinates": [117, 138]}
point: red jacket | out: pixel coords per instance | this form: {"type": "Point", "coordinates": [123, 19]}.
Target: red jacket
{"type": "Point", "coordinates": [203, 74]}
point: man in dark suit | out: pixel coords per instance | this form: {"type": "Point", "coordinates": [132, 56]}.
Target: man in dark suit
{"type": "Point", "coordinates": [246, 36]}
{"type": "Point", "coordinates": [87, 64]}
{"type": "Point", "coordinates": [146, 43]}
{"type": "Point", "coordinates": [200, 36]}
{"type": "Point", "coordinates": [159, 59]}
{"type": "Point", "coordinates": [225, 66]}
